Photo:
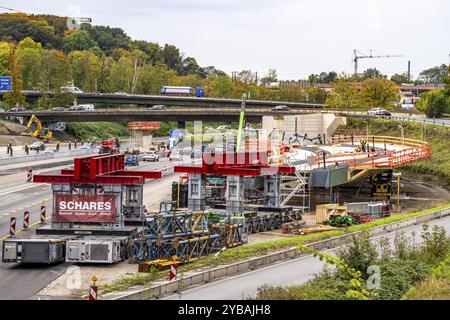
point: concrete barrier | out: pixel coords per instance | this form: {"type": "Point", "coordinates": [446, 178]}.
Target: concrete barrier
{"type": "Point", "coordinates": [185, 281]}
{"type": "Point", "coordinates": [46, 156]}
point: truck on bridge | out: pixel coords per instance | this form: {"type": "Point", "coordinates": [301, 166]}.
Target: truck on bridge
{"type": "Point", "coordinates": [182, 91]}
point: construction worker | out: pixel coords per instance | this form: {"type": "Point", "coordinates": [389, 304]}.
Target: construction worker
{"type": "Point", "coordinates": [363, 145]}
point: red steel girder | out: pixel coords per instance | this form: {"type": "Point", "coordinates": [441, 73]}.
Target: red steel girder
{"type": "Point", "coordinates": [235, 159]}
{"type": "Point", "coordinates": [70, 179]}
{"type": "Point", "coordinates": [92, 166]}
{"type": "Point", "coordinates": [143, 174]}
{"type": "Point", "coordinates": [235, 171]}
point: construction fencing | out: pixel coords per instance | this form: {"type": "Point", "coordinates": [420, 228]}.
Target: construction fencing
{"type": "Point", "coordinates": [210, 275]}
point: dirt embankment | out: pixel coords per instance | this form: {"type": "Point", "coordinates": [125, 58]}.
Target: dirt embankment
{"type": "Point", "coordinates": [11, 132]}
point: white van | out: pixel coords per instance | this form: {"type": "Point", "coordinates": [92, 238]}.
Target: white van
{"type": "Point", "coordinates": [87, 107]}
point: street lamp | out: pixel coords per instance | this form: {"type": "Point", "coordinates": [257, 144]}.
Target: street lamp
{"type": "Point", "coordinates": [367, 130]}
{"type": "Point", "coordinates": [403, 134]}
{"type": "Point", "coordinates": [398, 175]}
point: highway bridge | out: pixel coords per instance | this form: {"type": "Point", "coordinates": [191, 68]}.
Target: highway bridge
{"type": "Point", "coordinates": [150, 100]}
{"type": "Point", "coordinates": [219, 114]}
{"type": "Point", "coordinates": [223, 114]}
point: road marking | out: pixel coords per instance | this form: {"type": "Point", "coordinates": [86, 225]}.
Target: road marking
{"type": "Point", "coordinates": [21, 209]}
{"type": "Point", "coordinates": [21, 189]}
{"type": "Point", "coordinates": [30, 226]}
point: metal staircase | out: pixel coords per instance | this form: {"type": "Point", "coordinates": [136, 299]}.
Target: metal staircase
{"type": "Point", "coordinates": [295, 188]}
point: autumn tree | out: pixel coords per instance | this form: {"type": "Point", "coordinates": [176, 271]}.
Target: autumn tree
{"type": "Point", "coordinates": [345, 95]}
{"type": "Point", "coordinates": [15, 96]}
{"type": "Point", "coordinates": [5, 50]}
{"type": "Point", "coordinates": [85, 69]}
{"type": "Point", "coordinates": [29, 56]}
{"type": "Point", "coordinates": [379, 93]}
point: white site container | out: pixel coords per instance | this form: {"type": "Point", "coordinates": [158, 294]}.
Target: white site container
{"type": "Point", "coordinates": [94, 251]}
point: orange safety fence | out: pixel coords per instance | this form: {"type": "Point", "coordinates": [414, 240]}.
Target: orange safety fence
{"type": "Point", "coordinates": [412, 150]}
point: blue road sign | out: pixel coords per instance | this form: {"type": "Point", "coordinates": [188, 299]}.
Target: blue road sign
{"type": "Point", "coordinates": [173, 133]}
{"type": "Point", "coordinates": [5, 83]}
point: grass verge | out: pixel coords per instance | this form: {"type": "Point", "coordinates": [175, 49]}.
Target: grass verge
{"type": "Point", "coordinates": [253, 250]}
{"type": "Point", "coordinates": [435, 287]}
{"type": "Point", "coordinates": [434, 170]}
{"type": "Point", "coordinates": [97, 130]}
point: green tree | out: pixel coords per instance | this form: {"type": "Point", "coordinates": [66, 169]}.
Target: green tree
{"type": "Point", "coordinates": [220, 86]}
{"type": "Point", "coordinates": [372, 73]}
{"type": "Point", "coordinates": [345, 95]}
{"type": "Point", "coordinates": [271, 76]}
{"type": "Point", "coordinates": [85, 69]}
{"type": "Point", "coordinates": [379, 93]}
{"type": "Point", "coordinates": [121, 74]}
{"type": "Point", "coordinates": [190, 66]}
{"type": "Point", "coordinates": [77, 40]}
{"type": "Point", "coordinates": [171, 56]}
{"type": "Point", "coordinates": [153, 77]}
{"type": "Point", "coordinates": [107, 38]}
{"type": "Point", "coordinates": [399, 78]}
{"type": "Point", "coordinates": [29, 56]}
{"type": "Point", "coordinates": [15, 97]}
{"type": "Point", "coordinates": [434, 103]}
{"type": "Point", "coordinates": [433, 75]}
{"type": "Point", "coordinates": [5, 50]}
{"type": "Point", "coordinates": [323, 77]}
{"type": "Point", "coordinates": [447, 83]}
{"type": "Point", "coordinates": [16, 28]}
{"type": "Point", "coordinates": [315, 94]}
{"type": "Point", "coordinates": [55, 72]}
{"type": "Point", "coordinates": [211, 71]}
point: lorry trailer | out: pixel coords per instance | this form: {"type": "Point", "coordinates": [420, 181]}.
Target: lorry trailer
{"type": "Point", "coordinates": [45, 251]}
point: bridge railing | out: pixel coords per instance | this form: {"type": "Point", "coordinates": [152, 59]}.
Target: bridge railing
{"type": "Point", "coordinates": [408, 150]}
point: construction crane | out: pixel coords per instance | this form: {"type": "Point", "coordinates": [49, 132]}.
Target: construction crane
{"type": "Point", "coordinates": [39, 132]}
{"type": "Point", "coordinates": [361, 55]}
{"type": "Point", "coordinates": [21, 14]}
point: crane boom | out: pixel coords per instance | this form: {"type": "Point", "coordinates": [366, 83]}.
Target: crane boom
{"type": "Point", "coordinates": [40, 132]}
{"type": "Point", "coordinates": [361, 55]}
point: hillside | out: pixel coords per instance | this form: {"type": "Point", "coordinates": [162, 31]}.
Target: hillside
{"type": "Point", "coordinates": [436, 170]}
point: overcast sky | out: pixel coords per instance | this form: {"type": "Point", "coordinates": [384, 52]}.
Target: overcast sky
{"type": "Point", "coordinates": [295, 37]}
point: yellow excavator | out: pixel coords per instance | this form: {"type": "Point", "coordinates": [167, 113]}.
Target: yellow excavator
{"type": "Point", "coordinates": [39, 132]}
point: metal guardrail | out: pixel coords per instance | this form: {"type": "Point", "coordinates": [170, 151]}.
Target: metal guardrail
{"type": "Point", "coordinates": [415, 150]}
{"type": "Point", "coordinates": [221, 272]}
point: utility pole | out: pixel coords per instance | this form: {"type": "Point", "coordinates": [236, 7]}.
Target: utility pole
{"type": "Point", "coordinates": [256, 77]}
{"type": "Point", "coordinates": [409, 70]}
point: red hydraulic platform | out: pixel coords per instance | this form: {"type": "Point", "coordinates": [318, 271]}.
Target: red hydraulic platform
{"type": "Point", "coordinates": [237, 164]}
{"type": "Point", "coordinates": [99, 169]}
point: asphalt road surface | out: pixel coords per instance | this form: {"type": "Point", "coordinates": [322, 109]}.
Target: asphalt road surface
{"type": "Point", "coordinates": [16, 195]}
{"type": "Point", "coordinates": [290, 272]}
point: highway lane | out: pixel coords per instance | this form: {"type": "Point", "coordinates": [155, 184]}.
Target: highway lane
{"type": "Point", "coordinates": [428, 121]}
{"type": "Point", "coordinates": [290, 272]}
{"type": "Point", "coordinates": [17, 195]}
{"type": "Point", "coordinates": [23, 281]}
